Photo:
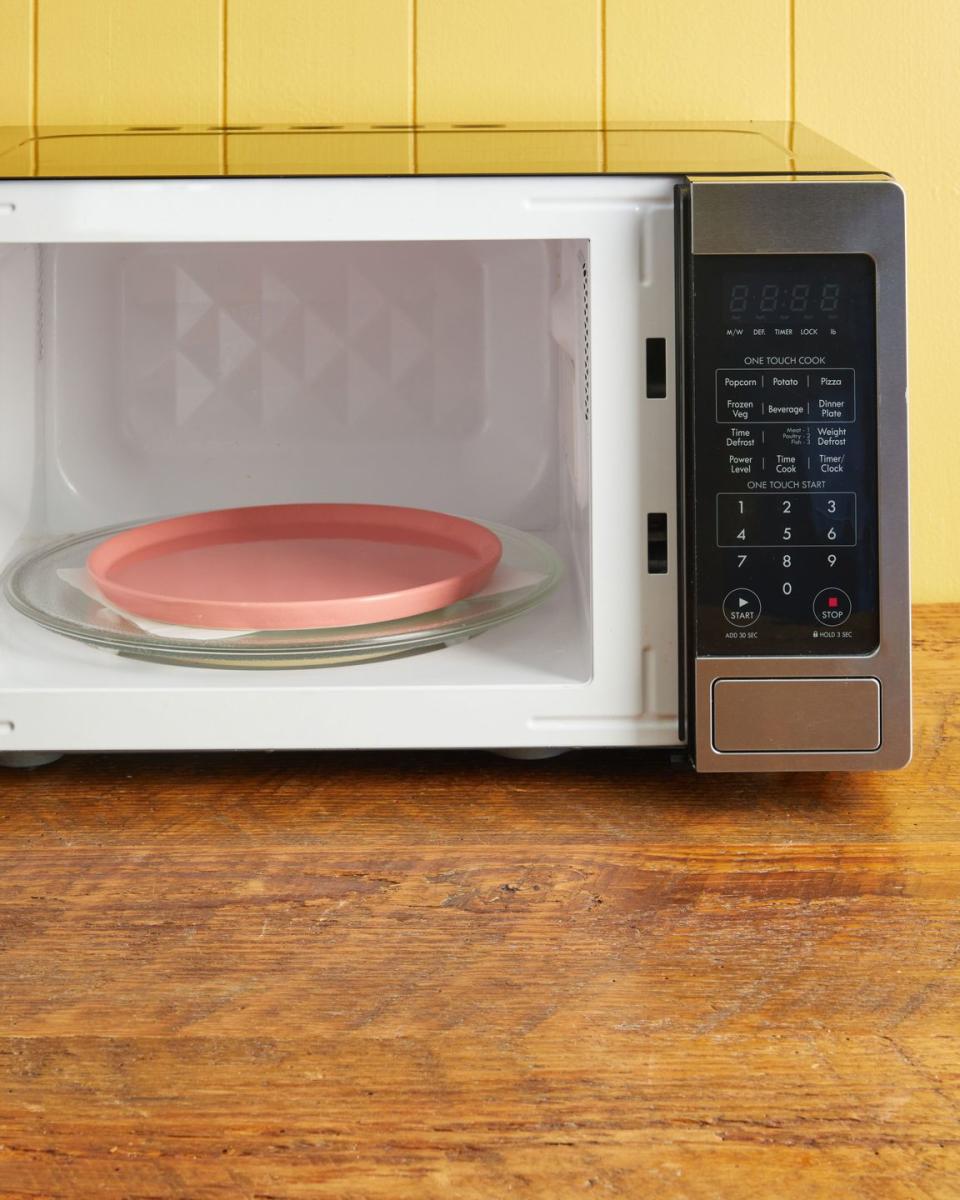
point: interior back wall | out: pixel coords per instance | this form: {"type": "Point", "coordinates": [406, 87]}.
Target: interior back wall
{"type": "Point", "coordinates": [876, 75]}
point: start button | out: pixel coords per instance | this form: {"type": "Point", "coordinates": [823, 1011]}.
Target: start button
{"type": "Point", "coordinates": [741, 607]}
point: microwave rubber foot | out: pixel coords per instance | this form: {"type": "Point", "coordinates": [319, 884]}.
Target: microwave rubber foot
{"type": "Point", "coordinates": [531, 753]}
{"type": "Point", "coordinates": [29, 758]}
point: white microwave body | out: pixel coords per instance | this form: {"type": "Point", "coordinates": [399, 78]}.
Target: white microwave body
{"type": "Point", "coordinates": [521, 349]}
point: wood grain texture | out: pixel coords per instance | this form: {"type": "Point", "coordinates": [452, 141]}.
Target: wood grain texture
{"type": "Point", "coordinates": [437, 975]}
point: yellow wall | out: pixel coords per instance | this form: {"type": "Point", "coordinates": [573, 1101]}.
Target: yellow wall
{"type": "Point", "coordinates": [877, 75]}
{"type": "Point", "coordinates": [883, 78]}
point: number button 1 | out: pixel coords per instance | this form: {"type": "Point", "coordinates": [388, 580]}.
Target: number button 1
{"type": "Point", "coordinates": [736, 521]}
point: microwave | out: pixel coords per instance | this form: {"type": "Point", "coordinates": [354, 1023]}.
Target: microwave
{"type": "Point", "coordinates": [667, 359]}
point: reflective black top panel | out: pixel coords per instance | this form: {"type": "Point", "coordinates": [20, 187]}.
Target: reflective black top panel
{"type": "Point", "coordinates": [624, 148]}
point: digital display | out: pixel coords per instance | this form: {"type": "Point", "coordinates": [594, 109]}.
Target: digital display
{"type": "Point", "coordinates": [758, 300]}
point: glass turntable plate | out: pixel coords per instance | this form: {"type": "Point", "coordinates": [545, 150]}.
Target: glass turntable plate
{"type": "Point", "coordinates": [529, 571]}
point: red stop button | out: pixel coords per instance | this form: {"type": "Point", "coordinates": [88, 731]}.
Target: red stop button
{"type": "Point", "coordinates": [832, 606]}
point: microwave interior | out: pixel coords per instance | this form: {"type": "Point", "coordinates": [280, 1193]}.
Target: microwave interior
{"type": "Point", "coordinates": [141, 380]}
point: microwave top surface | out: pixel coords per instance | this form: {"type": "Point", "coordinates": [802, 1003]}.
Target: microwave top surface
{"type": "Point", "coordinates": [256, 151]}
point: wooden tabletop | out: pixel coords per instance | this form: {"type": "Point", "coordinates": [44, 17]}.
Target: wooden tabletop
{"type": "Point", "coordinates": [425, 975]}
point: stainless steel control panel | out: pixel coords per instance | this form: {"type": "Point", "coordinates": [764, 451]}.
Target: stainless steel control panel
{"type": "Point", "coordinates": [796, 623]}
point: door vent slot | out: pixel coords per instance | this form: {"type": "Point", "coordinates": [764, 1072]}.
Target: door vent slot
{"type": "Point", "coordinates": [656, 368]}
{"type": "Point", "coordinates": [656, 543]}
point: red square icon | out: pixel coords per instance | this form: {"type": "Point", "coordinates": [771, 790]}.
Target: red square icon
{"type": "Point", "coordinates": [833, 602]}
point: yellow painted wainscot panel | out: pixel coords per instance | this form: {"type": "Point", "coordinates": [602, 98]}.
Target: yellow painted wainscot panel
{"type": "Point", "coordinates": [16, 18]}
{"type": "Point", "coordinates": [503, 60]}
{"type": "Point", "coordinates": [319, 62]}
{"type": "Point", "coordinates": [128, 62]}
{"type": "Point", "coordinates": [899, 108]}
{"type": "Point", "coordinates": [699, 60]}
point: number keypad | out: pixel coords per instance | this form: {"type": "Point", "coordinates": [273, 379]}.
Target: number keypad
{"type": "Point", "coordinates": [795, 519]}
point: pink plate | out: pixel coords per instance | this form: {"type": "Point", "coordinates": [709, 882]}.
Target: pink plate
{"type": "Point", "coordinates": [294, 566]}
